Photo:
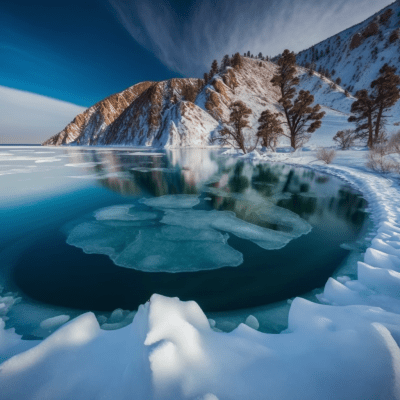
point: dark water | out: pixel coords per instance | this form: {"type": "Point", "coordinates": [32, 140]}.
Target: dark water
{"type": "Point", "coordinates": [47, 270]}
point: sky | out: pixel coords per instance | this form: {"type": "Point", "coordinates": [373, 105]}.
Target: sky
{"type": "Point", "coordinates": [80, 51]}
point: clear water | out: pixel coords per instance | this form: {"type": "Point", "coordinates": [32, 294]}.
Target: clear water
{"type": "Point", "coordinates": [100, 229]}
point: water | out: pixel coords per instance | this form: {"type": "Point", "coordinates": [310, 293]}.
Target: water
{"type": "Point", "coordinates": [87, 229]}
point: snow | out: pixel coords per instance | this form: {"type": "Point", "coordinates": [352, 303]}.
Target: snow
{"type": "Point", "coordinates": [171, 352]}
{"type": "Point", "coordinates": [54, 322]}
{"type": "Point", "coordinates": [252, 322]}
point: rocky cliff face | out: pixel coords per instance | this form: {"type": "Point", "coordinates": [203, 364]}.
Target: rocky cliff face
{"type": "Point", "coordinates": [185, 112]}
{"type": "Point", "coordinates": [97, 118]}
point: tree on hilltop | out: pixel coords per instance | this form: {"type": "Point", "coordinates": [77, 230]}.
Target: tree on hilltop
{"type": "Point", "coordinates": [237, 61]}
{"type": "Point", "coordinates": [226, 61]}
{"type": "Point", "coordinates": [214, 69]}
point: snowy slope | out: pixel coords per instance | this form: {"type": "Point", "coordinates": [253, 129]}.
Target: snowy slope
{"type": "Point", "coordinates": [356, 54]}
{"type": "Point", "coordinates": [160, 115]}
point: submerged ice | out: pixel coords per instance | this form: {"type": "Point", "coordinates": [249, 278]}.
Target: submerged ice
{"type": "Point", "coordinates": [175, 238]}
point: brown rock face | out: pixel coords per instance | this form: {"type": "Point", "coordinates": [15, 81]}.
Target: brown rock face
{"type": "Point", "coordinates": [102, 113]}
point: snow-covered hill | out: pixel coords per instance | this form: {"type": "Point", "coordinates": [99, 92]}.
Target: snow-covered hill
{"type": "Point", "coordinates": [159, 113]}
{"type": "Point", "coordinates": [356, 54]}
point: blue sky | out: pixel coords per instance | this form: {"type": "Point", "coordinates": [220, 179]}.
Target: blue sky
{"type": "Point", "coordinates": [82, 51]}
{"type": "Point", "coordinates": [76, 51]}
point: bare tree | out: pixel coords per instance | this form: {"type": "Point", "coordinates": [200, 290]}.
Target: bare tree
{"type": "Point", "coordinates": [325, 155]}
{"type": "Point", "coordinates": [394, 143]}
{"type": "Point", "coordinates": [345, 139]}
{"type": "Point", "coordinates": [378, 160]}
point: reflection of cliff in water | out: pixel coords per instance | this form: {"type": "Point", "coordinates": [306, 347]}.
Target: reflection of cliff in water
{"type": "Point", "coordinates": [130, 173]}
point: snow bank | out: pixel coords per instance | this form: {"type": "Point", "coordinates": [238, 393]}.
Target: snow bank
{"type": "Point", "coordinates": [171, 352]}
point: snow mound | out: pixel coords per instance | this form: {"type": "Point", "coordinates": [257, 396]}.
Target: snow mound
{"type": "Point", "coordinates": [171, 352]}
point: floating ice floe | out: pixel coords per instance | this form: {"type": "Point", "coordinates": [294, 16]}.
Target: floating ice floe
{"type": "Point", "coordinates": [145, 241]}
{"type": "Point", "coordinates": [54, 322]}
{"type": "Point", "coordinates": [172, 201]}
{"type": "Point", "coordinates": [156, 249]}
{"type": "Point", "coordinates": [142, 153]}
{"type": "Point", "coordinates": [122, 213]}
{"type": "Point", "coordinates": [227, 221]}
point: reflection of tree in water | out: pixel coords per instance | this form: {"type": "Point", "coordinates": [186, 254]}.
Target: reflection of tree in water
{"type": "Point", "coordinates": [271, 181]}
{"type": "Point", "coordinates": [183, 173]}
{"type": "Point", "coordinates": [238, 182]}
{"type": "Point", "coordinates": [303, 206]}
{"type": "Point", "coordinates": [349, 206]}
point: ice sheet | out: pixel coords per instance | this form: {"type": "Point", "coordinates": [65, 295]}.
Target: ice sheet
{"type": "Point", "coordinates": [226, 221]}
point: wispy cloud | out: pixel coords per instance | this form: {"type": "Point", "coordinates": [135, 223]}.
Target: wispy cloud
{"type": "Point", "coordinates": [188, 41]}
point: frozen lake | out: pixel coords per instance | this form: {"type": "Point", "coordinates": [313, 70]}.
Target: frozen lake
{"type": "Point", "coordinates": [101, 229]}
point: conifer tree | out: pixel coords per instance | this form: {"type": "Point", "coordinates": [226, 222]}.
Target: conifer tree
{"type": "Point", "coordinates": [386, 93]}
{"type": "Point", "coordinates": [363, 109]}
{"type": "Point", "coordinates": [226, 61]}
{"type": "Point", "coordinates": [205, 78]}
{"type": "Point", "coordinates": [269, 129]}
{"type": "Point", "coordinates": [214, 70]}
{"type": "Point", "coordinates": [301, 118]}
{"type": "Point", "coordinates": [238, 120]}
{"type": "Point", "coordinates": [237, 61]}
{"type": "Point", "coordinates": [369, 110]}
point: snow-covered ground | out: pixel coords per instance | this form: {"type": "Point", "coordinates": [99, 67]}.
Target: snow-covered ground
{"type": "Point", "coordinates": [347, 347]}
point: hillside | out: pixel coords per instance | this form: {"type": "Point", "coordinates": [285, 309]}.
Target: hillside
{"type": "Point", "coordinates": [160, 113]}
{"type": "Point", "coordinates": [356, 54]}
